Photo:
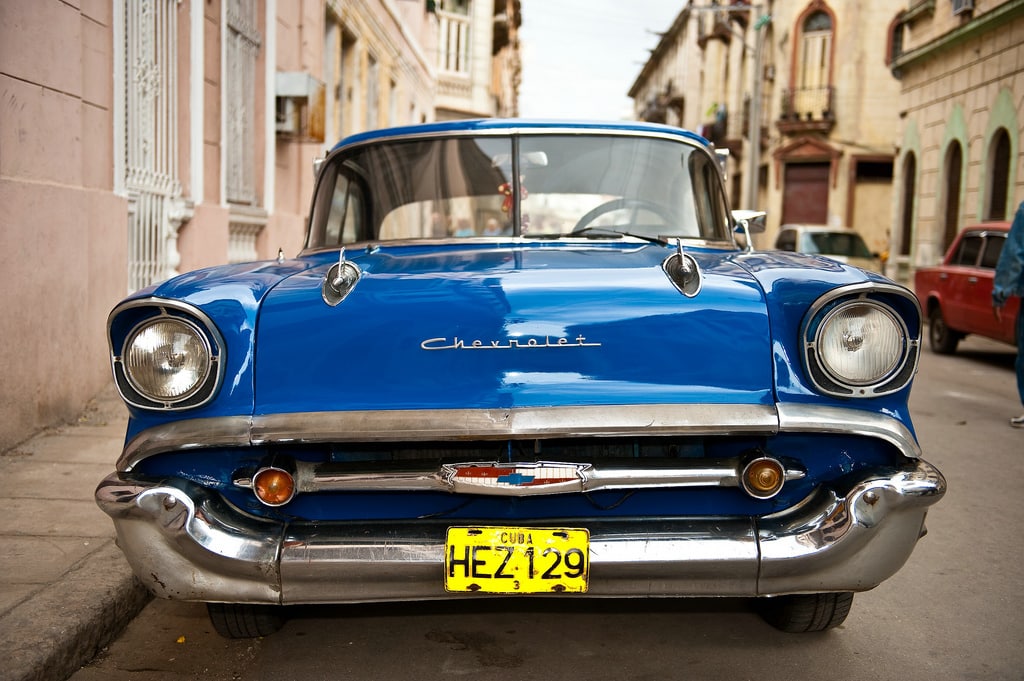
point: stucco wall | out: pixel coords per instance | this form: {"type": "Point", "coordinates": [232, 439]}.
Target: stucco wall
{"type": "Point", "coordinates": [962, 95]}
{"type": "Point", "coordinates": [62, 230]}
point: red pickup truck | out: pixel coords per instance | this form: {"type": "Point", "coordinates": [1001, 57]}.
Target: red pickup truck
{"type": "Point", "coordinates": [956, 296]}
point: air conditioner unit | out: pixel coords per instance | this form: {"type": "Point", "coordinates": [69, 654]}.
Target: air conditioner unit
{"type": "Point", "coordinates": [961, 6]}
{"type": "Point", "coordinates": [301, 106]}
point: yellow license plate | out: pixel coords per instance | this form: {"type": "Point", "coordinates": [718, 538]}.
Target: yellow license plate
{"type": "Point", "coordinates": [506, 560]}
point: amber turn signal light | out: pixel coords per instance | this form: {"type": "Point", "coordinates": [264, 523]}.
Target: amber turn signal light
{"type": "Point", "coordinates": [763, 477]}
{"type": "Point", "coordinates": [273, 486]}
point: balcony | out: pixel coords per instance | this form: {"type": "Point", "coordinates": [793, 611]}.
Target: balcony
{"type": "Point", "coordinates": [807, 110]}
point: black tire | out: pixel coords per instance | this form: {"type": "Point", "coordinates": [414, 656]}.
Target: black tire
{"type": "Point", "coordinates": [239, 620]}
{"type": "Point", "coordinates": [805, 613]}
{"type": "Point", "coordinates": [941, 338]}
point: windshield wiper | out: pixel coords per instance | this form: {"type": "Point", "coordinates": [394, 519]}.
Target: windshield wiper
{"type": "Point", "coordinates": [610, 233]}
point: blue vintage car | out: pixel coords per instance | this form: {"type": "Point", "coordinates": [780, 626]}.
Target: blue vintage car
{"type": "Point", "coordinates": [519, 357]}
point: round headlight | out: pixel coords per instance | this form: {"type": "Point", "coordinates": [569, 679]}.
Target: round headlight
{"type": "Point", "coordinates": [860, 344]}
{"type": "Point", "coordinates": [167, 359]}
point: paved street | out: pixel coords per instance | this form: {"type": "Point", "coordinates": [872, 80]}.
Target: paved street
{"type": "Point", "coordinates": [953, 612]}
{"type": "Point", "coordinates": [65, 588]}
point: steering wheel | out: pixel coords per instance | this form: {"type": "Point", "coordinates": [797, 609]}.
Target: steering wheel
{"type": "Point", "coordinates": [620, 204]}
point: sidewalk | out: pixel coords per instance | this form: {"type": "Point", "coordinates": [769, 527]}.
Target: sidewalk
{"type": "Point", "coordinates": [65, 588]}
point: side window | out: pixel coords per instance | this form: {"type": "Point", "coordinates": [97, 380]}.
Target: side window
{"type": "Point", "coordinates": [345, 214]}
{"type": "Point", "coordinates": [993, 247]}
{"type": "Point", "coordinates": [968, 250]}
{"type": "Point", "coordinates": [352, 228]}
{"type": "Point", "coordinates": [786, 240]}
{"type": "Point", "coordinates": [708, 197]}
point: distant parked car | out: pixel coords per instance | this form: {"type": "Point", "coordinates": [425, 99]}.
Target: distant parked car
{"type": "Point", "coordinates": [957, 294]}
{"type": "Point", "coordinates": [606, 397]}
{"type": "Point", "coordinates": [839, 243]}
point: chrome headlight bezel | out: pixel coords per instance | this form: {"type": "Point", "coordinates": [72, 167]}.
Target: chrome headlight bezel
{"type": "Point", "coordinates": [128, 321]}
{"type": "Point", "coordinates": [894, 304]}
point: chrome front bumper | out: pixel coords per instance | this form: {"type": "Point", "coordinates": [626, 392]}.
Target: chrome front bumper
{"type": "Point", "coordinates": [185, 543]}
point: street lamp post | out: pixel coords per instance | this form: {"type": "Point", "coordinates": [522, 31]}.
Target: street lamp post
{"type": "Point", "coordinates": [760, 20]}
{"type": "Point", "coordinates": [750, 177]}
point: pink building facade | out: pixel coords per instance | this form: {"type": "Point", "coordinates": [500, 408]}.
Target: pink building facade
{"type": "Point", "coordinates": [141, 138]}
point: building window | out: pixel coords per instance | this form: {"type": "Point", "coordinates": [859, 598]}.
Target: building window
{"type": "Point", "coordinates": [392, 103]}
{"type": "Point", "coordinates": [953, 171]}
{"type": "Point", "coordinates": [453, 45]}
{"type": "Point", "coordinates": [241, 50]}
{"type": "Point", "coordinates": [349, 85]}
{"type": "Point", "coordinates": [340, 56]}
{"type": "Point", "coordinates": [372, 92]}
{"type": "Point", "coordinates": [814, 66]}
{"type": "Point", "coordinates": [147, 163]}
{"type": "Point", "coordinates": [907, 214]}
{"type": "Point", "coordinates": [998, 175]}
{"type": "Point", "coordinates": [896, 31]}
{"type": "Point", "coordinates": [241, 54]}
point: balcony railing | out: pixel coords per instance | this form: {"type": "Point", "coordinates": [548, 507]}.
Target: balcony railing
{"type": "Point", "coordinates": [807, 109]}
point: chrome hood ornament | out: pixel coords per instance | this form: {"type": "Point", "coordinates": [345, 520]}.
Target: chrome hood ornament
{"type": "Point", "coordinates": [340, 280]}
{"type": "Point", "coordinates": [683, 271]}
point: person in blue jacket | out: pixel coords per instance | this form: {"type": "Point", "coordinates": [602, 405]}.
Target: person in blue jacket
{"type": "Point", "coordinates": [1009, 281]}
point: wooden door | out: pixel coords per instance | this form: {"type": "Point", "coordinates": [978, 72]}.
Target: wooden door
{"type": "Point", "coordinates": [805, 194]}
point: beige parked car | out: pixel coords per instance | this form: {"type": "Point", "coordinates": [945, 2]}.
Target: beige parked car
{"type": "Point", "coordinates": [839, 243]}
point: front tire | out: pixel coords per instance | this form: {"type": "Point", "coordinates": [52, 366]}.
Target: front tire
{"type": "Point", "coordinates": [241, 620]}
{"type": "Point", "coordinates": [805, 613]}
{"type": "Point", "coordinates": [943, 340]}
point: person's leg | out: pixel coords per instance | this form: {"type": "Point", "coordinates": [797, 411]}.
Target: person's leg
{"type": "Point", "coordinates": [1018, 421]}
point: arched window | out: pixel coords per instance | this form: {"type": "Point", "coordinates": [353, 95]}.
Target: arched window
{"type": "Point", "coordinates": [998, 175]}
{"type": "Point", "coordinates": [454, 18]}
{"type": "Point", "coordinates": [953, 169]}
{"type": "Point", "coordinates": [815, 51]}
{"type": "Point", "coordinates": [814, 65]}
{"type": "Point", "coordinates": [907, 214]}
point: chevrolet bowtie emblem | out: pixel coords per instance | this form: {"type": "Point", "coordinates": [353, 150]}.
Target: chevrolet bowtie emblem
{"type": "Point", "coordinates": [543, 477]}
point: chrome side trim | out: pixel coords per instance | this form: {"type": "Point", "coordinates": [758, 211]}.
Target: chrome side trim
{"type": "Point", "coordinates": [803, 418]}
{"type": "Point", "coordinates": [497, 424]}
{"type": "Point", "coordinates": [221, 431]}
{"type": "Point", "coordinates": [859, 290]}
{"type": "Point", "coordinates": [439, 425]}
{"type": "Point", "coordinates": [525, 422]}
{"type": "Point", "coordinates": [577, 478]}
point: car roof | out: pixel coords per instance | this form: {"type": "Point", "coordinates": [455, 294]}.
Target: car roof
{"type": "Point", "coordinates": [987, 227]}
{"type": "Point", "coordinates": [816, 228]}
{"type": "Point", "coordinates": [514, 125]}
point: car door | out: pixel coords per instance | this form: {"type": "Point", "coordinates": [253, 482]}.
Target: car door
{"type": "Point", "coordinates": [1002, 328]}
{"type": "Point", "coordinates": [959, 279]}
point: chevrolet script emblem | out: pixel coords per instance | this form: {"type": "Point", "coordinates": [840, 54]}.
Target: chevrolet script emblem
{"type": "Point", "coordinates": [528, 343]}
{"type": "Point", "coordinates": [515, 479]}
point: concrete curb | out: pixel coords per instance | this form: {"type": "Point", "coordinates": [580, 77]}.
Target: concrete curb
{"type": "Point", "coordinates": [66, 590]}
{"type": "Point", "coordinates": [63, 626]}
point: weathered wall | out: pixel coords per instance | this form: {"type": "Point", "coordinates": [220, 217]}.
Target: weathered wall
{"type": "Point", "coordinates": [62, 230]}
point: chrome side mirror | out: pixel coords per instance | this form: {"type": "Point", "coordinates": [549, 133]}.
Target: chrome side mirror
{"type": "Point", "coordinates": [747, 222]}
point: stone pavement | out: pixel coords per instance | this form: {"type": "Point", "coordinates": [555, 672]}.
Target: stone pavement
{"type": "Point", "coordinates": [65, 588]}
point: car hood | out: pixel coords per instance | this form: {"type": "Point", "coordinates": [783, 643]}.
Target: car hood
{"type": "Point", "coordinates": [469, 327]}
{"type": "Point", "coordinates": [869, 264]}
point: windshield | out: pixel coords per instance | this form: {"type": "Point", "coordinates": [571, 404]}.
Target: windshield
{"type": "Point", "coordinates": [848, 244]}
{"type": "Point", "coordinates": [538, 186]}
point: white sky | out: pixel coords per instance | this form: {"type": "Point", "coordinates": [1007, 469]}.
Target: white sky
{"type": "Point", "coordinates": [580, 57]}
